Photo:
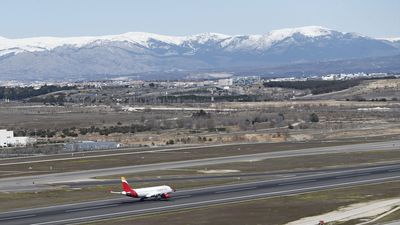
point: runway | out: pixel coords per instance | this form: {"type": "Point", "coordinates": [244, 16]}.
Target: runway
{"type": "Point", "coordinates": [253, 175]}
{"type": "Point", "coordinates": [32, 183]}
{"type": "Point", "coordinates": [184, 199]}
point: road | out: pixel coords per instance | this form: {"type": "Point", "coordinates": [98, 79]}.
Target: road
{"type": "Point", "coordinates": [392, 223]}
{"type": "Point", "coordinates": [185, 199]}
{"type": "Point", "coordinates": [32, 183]}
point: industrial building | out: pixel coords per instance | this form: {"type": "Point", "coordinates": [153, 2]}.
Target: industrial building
{"type": "Point", "coordinates": [90, 145]}
{"type": "Point", "coordinates": [7, 139]}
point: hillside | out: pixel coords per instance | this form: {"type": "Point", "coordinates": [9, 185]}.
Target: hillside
{"type": "Point", "coordinates": [388, 89]}
{"type": "Point", "coordinates": [103, 57]}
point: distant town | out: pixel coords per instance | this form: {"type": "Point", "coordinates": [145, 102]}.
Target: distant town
{"type": "Point", "coordinates": [226, 81]}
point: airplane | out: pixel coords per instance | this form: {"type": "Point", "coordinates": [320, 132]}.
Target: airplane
{"type": "Point", "coordinates": [157, 192]}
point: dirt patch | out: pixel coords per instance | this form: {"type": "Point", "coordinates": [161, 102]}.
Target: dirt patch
{"type": "Point", "coordinates": [352, 212]}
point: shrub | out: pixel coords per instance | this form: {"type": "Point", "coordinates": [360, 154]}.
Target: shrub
{"type": "Point", "coordinates": [314, 118]}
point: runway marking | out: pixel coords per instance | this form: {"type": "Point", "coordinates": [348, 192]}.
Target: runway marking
{"type": "Point", "coordinates": [17, 217]}
{"type": "Point", "coordinates": [184, 196]}
{"type": "Point", "coordinates": [352, 175]}
{"type": "Point", "coordinates": [297, 182]}
{"type": "Point", "coordinates": [234, 190]}
{"type": "Point", "coordinates": [215, 201]}
{"type": "Point", "coordinates": [90, 208]}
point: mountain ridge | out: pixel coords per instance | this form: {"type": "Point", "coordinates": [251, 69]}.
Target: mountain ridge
{"type": "Point", "coordinates": [49, 43]}
{"type": "Point", "coordinates": [139, 52]}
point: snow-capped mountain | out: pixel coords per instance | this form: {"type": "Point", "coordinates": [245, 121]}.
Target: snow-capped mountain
{"type": "Point", "coordinates": [137, 52]}
{"type": "Point", "coordinates": [392, 41]}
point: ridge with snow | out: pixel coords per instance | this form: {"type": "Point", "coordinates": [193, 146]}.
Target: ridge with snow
{"type": "Point", "coordinates": [143, 39]}
{"type": "Point", "coordinates": [139, 52]}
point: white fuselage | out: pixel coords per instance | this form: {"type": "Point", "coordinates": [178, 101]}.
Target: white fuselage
{"type": "Point", "coordinates": [153, 191]}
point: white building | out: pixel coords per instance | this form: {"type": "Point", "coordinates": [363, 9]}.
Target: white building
{"type": "Point", "coordinates": [225, 82]}
{"type": "Point", "coordinates": [5, 136]}
{"type": "Point", "coordinates": [7, 139]}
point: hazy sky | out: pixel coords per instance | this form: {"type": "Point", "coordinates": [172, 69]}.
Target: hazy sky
{"type": "Point", "coordinates": [27, 18]}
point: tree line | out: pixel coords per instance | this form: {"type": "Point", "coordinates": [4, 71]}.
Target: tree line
{"type": "Point", "coordinates": [19, 93]}
{"type": "Point", "coordinates": [315, 86]}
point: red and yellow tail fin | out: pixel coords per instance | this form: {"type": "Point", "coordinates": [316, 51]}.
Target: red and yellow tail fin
{"type": "Point", "coordinates": [127, 189]}
{"type": "Point", "coordinates": [125, 185]}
